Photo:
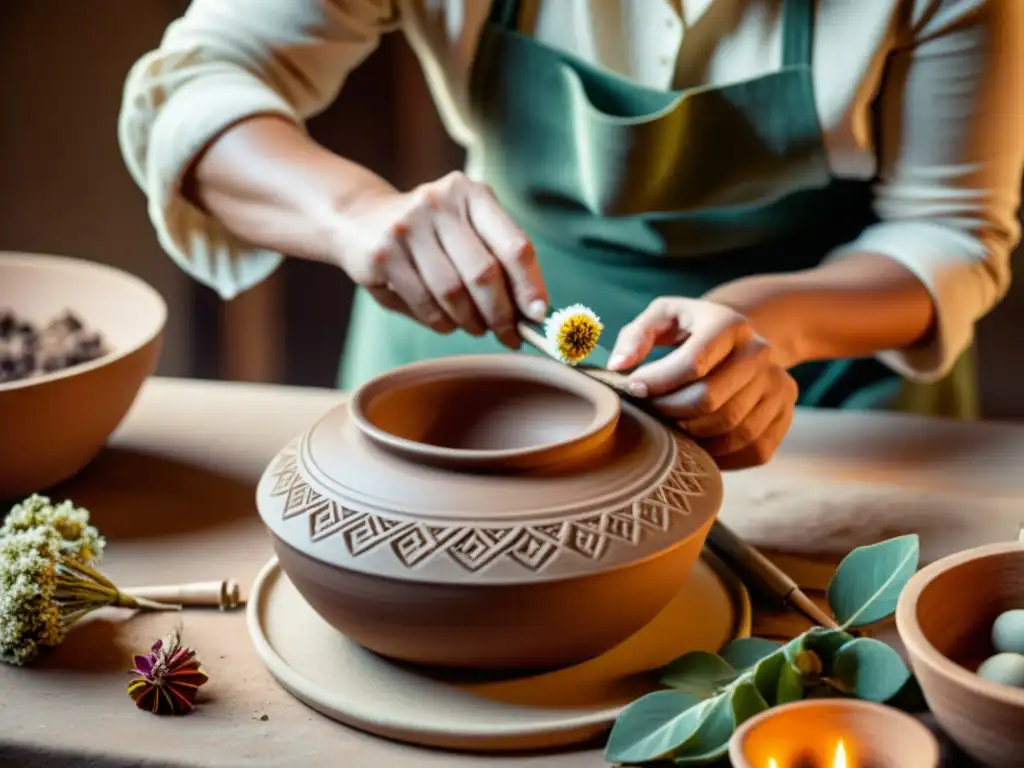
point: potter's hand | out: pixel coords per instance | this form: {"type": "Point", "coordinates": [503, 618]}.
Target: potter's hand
{"type": "Point", "coordinates": [447, 255]}
{"type": "Point", "coordinates": [721, 383]}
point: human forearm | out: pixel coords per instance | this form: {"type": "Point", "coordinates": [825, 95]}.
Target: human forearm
{"type": "Point", "coordinates": [446, 253]}
{"type": "Point", "coordinates": [856, 306]}
{"type": "Point", "coordinates": [270, 184]}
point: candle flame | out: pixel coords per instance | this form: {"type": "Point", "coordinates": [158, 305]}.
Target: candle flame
{"type": "Point", "coordinates": [840, 758]}
{"type": "Point", "coordinates": [839, 761]}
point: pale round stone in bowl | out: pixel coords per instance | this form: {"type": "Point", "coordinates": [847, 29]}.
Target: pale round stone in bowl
{"type": "Point", "coordinates": [945, 617]}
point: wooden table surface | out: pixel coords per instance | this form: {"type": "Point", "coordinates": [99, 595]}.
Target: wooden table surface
{"type": "Point", "coordinates": [174, 495]}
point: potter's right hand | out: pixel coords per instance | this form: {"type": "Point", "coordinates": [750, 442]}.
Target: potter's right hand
{"type": "Point", "coordinates": [447, 255]}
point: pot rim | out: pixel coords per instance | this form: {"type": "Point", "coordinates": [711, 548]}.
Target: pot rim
{"type": "Point", "coordinates": [605, 402]}
{"type": "Point", "coordinates": [920, 647]}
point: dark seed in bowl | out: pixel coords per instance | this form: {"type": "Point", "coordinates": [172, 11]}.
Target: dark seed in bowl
{"type": "Point", "coordinates": [27, 351]}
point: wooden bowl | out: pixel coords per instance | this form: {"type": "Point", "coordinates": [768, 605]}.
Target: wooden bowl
{"type": "Point", "coordinates": [809, 733]}
{"type": "Point", "coordinates": [489, 512]}
{"type": "Point", "coordinates": [945, 617]}
{"type": "Point", "coordinates": [53, 425]}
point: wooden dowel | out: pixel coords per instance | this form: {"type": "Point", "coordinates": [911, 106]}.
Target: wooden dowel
{"type": "Point", "coordinates": [222, 594]}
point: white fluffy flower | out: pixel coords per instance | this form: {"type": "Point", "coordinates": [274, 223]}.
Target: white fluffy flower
{"type": "Point", "coordinates": [573, 332]}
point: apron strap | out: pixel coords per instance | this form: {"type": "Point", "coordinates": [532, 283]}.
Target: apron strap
{"type": "Point", "coordinates": [505, 13]}
{"type": "Point", "coordinates": [797, 32]}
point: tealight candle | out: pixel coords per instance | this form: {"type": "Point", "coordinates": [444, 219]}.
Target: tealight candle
{"type": "Point", "coordinates": [839, 760]}
{"type": "Point", "coordinates": [833, 733]}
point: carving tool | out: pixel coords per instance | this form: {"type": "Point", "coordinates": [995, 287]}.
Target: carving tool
{"type": "Point", "coordinates": [761, 573]}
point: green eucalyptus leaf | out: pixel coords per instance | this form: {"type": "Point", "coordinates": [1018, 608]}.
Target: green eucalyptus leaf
{"type": "Point", "coordinates": [793, 648]}
{"type": "Point", "coordinates": [790, 684]}
{"type": "Point", "coordinates": [825, 643]}
{"type": "Point", "coordinates": [711, 742]}
{"type": "Point", "coordinates": [747, 702]}
{"type": "Point", "coordinates": [711, 739]}
{"type": "Point", "coordinates": [700, 674]}
{"type": "Point", "coordinates": [745, 652]}
{"type": "Point", "coordinates": [867, 584]}
{"type": "Point", "coordinates": [653, 726]}
{"type": "Point", "coordinates": [870, 670]}
{"type": "Point", "coordinates": [767, 672]}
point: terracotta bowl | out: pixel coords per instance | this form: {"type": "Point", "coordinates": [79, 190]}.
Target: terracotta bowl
{"type": "Point", "coordinates": [945, 617]}
{"type": "Point", "coordinates": [53, 425]}
{"type": "Point", "coordinates": [488, 512]}
{"type": "Point", "coordinates": [809, 733]}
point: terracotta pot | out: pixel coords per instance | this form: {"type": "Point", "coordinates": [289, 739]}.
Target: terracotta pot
{"type": "Point", "coordinates": [809, 733]}
{"type": "Point", "coordinates": [496, 511]}
{"type": "Point", "coordinates": [945, 616]}
{"type": "Point", "coordinates": [53, 425]}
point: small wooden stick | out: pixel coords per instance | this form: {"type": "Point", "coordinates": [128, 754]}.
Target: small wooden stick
{"type": "Point", "coordinates": [533, 336]}
{"type": "Point", "coordinates": [615, 379]}
{"type": "Point", "coordinates": [223, 594]}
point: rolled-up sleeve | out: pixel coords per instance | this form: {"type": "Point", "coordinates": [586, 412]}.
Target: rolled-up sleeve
{"type": "Point", "coordinates": [951, 153]}
{"type": "Point", "coordinates": [222, 62]}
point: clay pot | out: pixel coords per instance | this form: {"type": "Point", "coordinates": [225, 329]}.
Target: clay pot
{"type": "Point", "coordinates": [945, 616]}
{"type": "Point", "coordinates": [809, 733]}
{"type": "Point", "coordinates": [53, 425]}
{"type": "Point", "coordinates": [497, 511]}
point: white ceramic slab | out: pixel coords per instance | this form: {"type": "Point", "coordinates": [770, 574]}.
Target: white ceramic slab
{"type": "Point", "coordinates": [347, 683]}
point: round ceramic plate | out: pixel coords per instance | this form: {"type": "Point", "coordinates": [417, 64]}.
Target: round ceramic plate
{"type": "Point", "coordinates": [466, 711]}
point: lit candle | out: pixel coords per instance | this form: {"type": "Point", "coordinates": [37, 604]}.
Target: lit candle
{"type": "Point", "coordinates": [839, 761]}
{"type": "Point", "coordinates": [834, 733]}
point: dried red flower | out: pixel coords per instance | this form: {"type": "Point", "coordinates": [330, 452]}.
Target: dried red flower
{"type": "Point", "coordinates": [168, 678]}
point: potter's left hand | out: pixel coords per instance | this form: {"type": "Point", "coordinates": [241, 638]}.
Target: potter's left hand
{"type": "Point", "coordinates": [722, 383]}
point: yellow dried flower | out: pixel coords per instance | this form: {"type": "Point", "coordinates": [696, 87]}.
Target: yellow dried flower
{"type": "Point", "coordinates": [30, 617]}
{"type": "Point", "coordinates": [43, 592]}
{"type": "Point", "coordinates": [77, 538]}
{"type": "Point", "coordinates": [573, 332]}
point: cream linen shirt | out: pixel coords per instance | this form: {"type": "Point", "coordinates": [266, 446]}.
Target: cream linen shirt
{"type": "Point", "coordinates": [923, 95]}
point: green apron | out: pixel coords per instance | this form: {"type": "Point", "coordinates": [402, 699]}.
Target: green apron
{"type": "Point", "coordinates": [631, 193]}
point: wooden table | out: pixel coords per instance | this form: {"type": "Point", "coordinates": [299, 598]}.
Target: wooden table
{"type": "Point", "coordinates": [174, 495]}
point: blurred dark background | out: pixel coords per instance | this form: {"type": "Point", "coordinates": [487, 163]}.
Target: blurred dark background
{"type": "Point", "coordinates": [64, 190]}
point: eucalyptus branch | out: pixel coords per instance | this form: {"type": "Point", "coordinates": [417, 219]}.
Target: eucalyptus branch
{"type": "Point", "coordinates": [708, 695]}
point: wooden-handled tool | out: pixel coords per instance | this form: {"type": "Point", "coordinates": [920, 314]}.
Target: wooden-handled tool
{"type": "Point", "coordinates": [760, 572]}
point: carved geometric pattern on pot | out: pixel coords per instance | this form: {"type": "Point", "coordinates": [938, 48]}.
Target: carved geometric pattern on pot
{"type": "Point", "coordinates": [473, 548]}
